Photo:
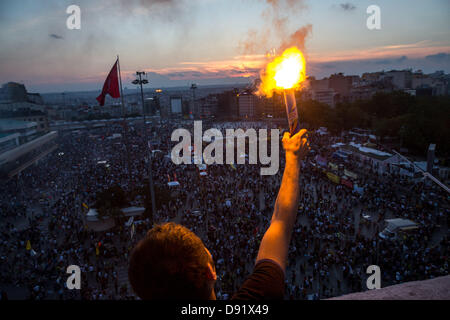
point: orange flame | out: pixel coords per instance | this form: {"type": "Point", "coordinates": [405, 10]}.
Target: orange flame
{"type": "Point", "coordinates": [287, 71]}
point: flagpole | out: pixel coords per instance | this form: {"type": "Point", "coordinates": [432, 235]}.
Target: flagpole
{"type": "Point", "coordinates": [124, 123]}
{"type": "Point", "coordinates": [121, 91]}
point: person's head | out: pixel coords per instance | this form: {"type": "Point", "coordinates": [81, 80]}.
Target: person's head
{"type": "Point", "coordinates": [171, 262]}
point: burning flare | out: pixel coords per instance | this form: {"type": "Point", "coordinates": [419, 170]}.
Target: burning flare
{"type": "Point", "coordinates": [284, 72]}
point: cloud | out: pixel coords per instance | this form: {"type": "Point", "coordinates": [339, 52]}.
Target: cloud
{"type": "Point", "coordinates": [347, 6]}
{"type": "Point", "coordinates": [439, 57]}
{"type": "Point", "coordinates": [329, 66]}
{"type": "Point", "coordinates": [414, 50]}
{"type": "Point", "coordinates": [55, 36]}
{"type": "Point", "coordinates": [172, 10]}
{"type": "Point", "coordinates": [428, 64]}
{"type": "Point", "coordinates": [390, 61]}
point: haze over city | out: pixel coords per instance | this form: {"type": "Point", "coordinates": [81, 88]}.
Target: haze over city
{"type": "Point", "coordinates": [213, 42]}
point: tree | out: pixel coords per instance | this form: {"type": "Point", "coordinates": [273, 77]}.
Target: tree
{"type": "Point", "coordinates": [417, 121]}
{"type": "Point", "coordinates": [109, 202]}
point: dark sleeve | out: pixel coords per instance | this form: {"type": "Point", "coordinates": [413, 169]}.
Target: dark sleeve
{"type": "Point", "coordinates": [265, 283]}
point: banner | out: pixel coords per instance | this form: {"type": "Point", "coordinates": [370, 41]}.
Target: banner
{"type": "Point", "coordinates": [350, 174]}
{"type": "Point", "coordinates": [347, 183]}
{"type": "Point", "coordinates": [332, 165]}
{"type": "Point", "coordinates": [334, 178]}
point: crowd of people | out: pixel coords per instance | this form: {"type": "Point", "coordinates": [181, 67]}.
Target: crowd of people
{"type": "Point", "coordinates": [45, 230]}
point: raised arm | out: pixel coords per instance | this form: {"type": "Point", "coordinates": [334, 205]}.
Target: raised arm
{"type": "Point", "coordinates": [275, 243]}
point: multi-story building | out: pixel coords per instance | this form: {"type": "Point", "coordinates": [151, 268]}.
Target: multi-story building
{"type": "Point", "coordinates": [247, 104]}
{"type": "Point", "coordinates": [21, 145]}
{"type": "Point", "coordinates": [14, 95]}
{"type": "Point", "coordinates": [420, 80]}
{"type": "Point", "coordinates": [207, 106]}
{"type": "Point", "coordinates": [13, 92]}
{"type": "Point", "coordinates": [327, 96]}
{"type": "Point", "coordinates": [361, 93]}
{"type": "Point", "coordinates": [150, 106]}
{"type": "Point", "coordinates": [321, 91]}
{"type": "Point", "coordinates": [37, 116]}
{"type": "Point", "coordinates": [227, 104]}
{"type": "Point", "coordinates": [370, 77]}
{"type": "Point", "coordinates": [401, 79]}
{"type": "Point", "coordinates": [25, 130]}
{"type": "Point", "coordinates": [341, 85]}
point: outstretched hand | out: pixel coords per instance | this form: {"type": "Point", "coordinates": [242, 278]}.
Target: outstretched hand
{"type": "Point", "coordinates": [296, 146]}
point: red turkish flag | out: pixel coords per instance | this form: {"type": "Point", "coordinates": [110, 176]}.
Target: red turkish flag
{"type": "Point", "coordinates": [111, 85]}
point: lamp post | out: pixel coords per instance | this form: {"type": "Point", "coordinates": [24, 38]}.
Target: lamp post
{"type": "Point", "coordinates": [193, 88]}
{"type": "Point", "coordinates": [140, 82]}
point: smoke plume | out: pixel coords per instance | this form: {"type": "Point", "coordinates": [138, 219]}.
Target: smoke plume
{"type": "Point", "coordinates": [277, 15]}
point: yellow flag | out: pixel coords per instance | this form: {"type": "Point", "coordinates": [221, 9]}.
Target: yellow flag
{"type": "Point", "coordinates": [28, 247]}
{"type": "Point", "coordinates": [233, 166]}
{"type": "Point", "coordinates": [85, 205]}
{"type": "Point", "coordinates": [97, 252]}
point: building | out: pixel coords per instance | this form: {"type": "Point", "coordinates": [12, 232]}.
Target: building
{"type": "Point", "coordinates": [274, 106]}
{"type": "Point", "coordinates": [22, 145]}
{"type": "Point", "coordinates": [361, 93]}
{"type": "Point", "coordinates": [207, 106]}
{"type": "Point", "coordinates": [420, 80]}
{"type": "Point", "coordinates": [227, 104]}
{"type": "Point", "coordinates": [30, 115]}
{"type": "Point", "coordinates": [321, 91]}
{"type": "Point", "coordinates": [342, 85]}
{"type": "Point", "coordinates": [16, 92]}
{"type": "Point", "coordinates": [26, 130]}
{"type": "Point", "coordinates": [327, 96]}
{"type": "Point", "coordinates": [13, 92]}
{"type": "Point", "coordinates": [370, 77]}
{"type": "Point", "coordinates": [8, 141]}
{"type": "Point", "coordinates": [400, 79]}
{"type": "Point", "coordinates": [430, 157]}
{"type": "Point", "coordinates": [247, 104]}
{"type": "Point", "coordinates": [151, 105]}
{"type": "Point", "coordinates": [379, 161]}
{"type": "Point", "coordinates": [176, 105]}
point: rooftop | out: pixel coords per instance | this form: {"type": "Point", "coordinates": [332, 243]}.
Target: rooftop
{"type": "Point", "coordinates": [11, 124]}
{"type": "Point", "coordinates": [433, 289]}
{"type": "Point", "coordinates": [369, 152]}
{"type": "Point", "coordinates": [21, 113]}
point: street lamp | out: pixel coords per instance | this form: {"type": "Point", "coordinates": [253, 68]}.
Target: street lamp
{"type": "Point", "coordinates": [140, 82]}
{"type": "Point", "coordinates": [193, 88]}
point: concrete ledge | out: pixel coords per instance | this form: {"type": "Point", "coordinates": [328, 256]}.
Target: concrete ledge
{"type": "Point", "coordinates": [433, 289]}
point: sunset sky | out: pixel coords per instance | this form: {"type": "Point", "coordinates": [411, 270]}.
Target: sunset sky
{"type": "Point", "coordinates": [212, 41]}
